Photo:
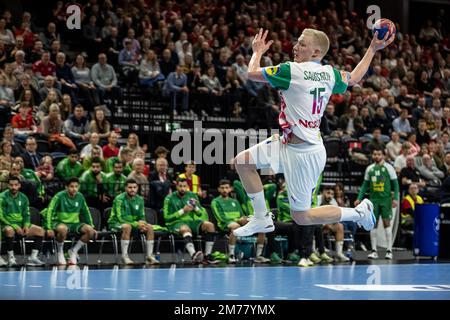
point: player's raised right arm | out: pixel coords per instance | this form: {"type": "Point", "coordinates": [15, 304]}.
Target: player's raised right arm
{"type": "Point", "coordinates": [259, 47]}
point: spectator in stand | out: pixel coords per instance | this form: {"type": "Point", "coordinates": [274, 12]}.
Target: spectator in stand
{"type": "Point", "coordinates": [23, 122]}
{"type": "Point", "coordinates": [25, 85]}
{"type": "Point", "coordinates": [7, 100]}
{"type": "Point", "coordinates": [49, 84]}
{"type": "Point", "coordinates": [133, 145]}
{"type": "Point", "coordinates": [422, 135]}
{"type": "Point", "coordinates": [66, 106]}
{"type": "Point", "coordinates": [351, 123]}
{"type": "Point", "coordinates": [377, 142]}
{"type": "Point", "coordinates": [129, 63]}
{"type": "Point", "coordinates": [44, 67]}
{"type": "Point", "coordinates": [104, 77]}
{"type": "Point", "coordinates": [160, 184]}
{"type": "Point", "coordinates": [401, 125]}
{"type": "Point", "coordinates": [45, 171]}
{"type": "Point", "coordinates": [332, 119]}
{"type": "Point", "coordinates": [166, 64]}
{"type": "Point", "coordinates": [93, 143]}
{"type": "Point", "coordinates": [111, 150]}
{"type": "Point", "coordinates": [49, 35]}
{"type": "Point", "coordinates": [112, 46]}
{"type": "Point", "coordinates": [86, 86]}
{"type": "Point", "coordinates": [31, 157]}
{"type": "Point", "coordinates": [429, 171]}
{"type": "Point", "coordinates": [393, 147]}
{"type": "Point", "coordinates": [410, 174]}
{"type": "Point", "coordinates": [8, 135]}
{"type": "Point", "coordinates": [400, 161]}
{"type": "Point", "coordinates": [100, 125]}
{"type": "Point", "coordinates": [415, 147]}
{"type": "Point", "coordinates": [52, 128]}
{"type": "Point", "coordinates": [138, 175]}
{"type": "Point", "coordinates": [176, 87]}
{"type": "Point", "coordinates": [65, 77]}
{"type": "Point", "coordinates": [76, 127]}
{"type": "Point", "coordinates": [51, 98]}
{"type": "Point", "coordinates": [149, 70]}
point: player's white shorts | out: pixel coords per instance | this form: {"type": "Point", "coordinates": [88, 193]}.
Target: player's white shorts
{"type": "Point", "coordinates": [301, 164]}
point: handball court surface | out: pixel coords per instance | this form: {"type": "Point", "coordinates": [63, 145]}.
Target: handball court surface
{"type": "Point", "coordinates": [361, 280]}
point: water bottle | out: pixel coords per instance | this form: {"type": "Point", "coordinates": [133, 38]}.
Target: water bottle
{"type": "Point", "coordinates": [158, 256]}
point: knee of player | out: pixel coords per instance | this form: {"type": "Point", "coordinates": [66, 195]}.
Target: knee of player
{"type": "Point", "coordinates": [126, 228]}
{"type": "Point", "coordinates": [149, 228]}
{"type": "Point", "coordinates": [40, 232]}
{"type": "Point", "coordinates": [209, 226]}
{"type": "Point", "coordinates": [301, 218]}
{"type": "Point", "coordinates": [184, 229]}
{"type": "Point", "coordinates": [9, 232]}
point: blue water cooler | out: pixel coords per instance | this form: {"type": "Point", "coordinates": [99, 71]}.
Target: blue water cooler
{"type": "Point", "coordinates": [426, 230]}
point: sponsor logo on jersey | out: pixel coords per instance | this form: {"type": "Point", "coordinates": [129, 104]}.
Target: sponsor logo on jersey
{"type": "Point", "coordinates": [309, 124]}
{"type": "Point", "coordinates": [273, 71]}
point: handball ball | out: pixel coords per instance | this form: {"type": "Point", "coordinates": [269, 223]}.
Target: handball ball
{"type": "Point", "coordinates": [384, 26]}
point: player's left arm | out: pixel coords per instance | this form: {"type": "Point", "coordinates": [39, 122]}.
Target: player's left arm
{"type": "Point", "coordinates": [259, 46]}
{"type": "Point", "coordinates": [358, 73]}
{"type": "Point", "coordinates": [394, 184]}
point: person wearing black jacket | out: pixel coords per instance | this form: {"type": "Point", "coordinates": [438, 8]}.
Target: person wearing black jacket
{"type": "Point", "coordinates": [112, 46]}
{"type": "Point", "coordinates": [30, 157]}
{"type": "Point", "coordinates": [160, 184]}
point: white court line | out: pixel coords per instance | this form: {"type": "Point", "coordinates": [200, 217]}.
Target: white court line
{"type": "Point", "coordinates": [280, 297]}
{"type": "Point", "coordinates": [159, 291]}
{"type": "Point", "coordinates": [231, 294]}
{"type": "Point", "coordinates": [135, 290]}
{"type": "Point", "coordinates": [253, 296]}
{"type": "Point", "coordinates": [208, 293]}
{"type": "Point", "coordinates": [35, 286]}
{"type": "Point", "coordinates": [110, 289]}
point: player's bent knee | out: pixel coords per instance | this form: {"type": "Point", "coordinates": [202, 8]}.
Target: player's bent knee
{"type": "Point", "coordinates": [126, 228]}
{"type": "Point", "coordinates": [301, 218]}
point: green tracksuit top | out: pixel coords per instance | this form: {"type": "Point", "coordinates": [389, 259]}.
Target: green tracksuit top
{"type": "Point", "coordinates": [226, 211]}
{"type": "Point", "coordinates": [14, 211]}
{"type": "Point", "coordinates": [127, 210]}
{"type": "Point", "coordinates": [173, 203]}
{"type": "Point", "coordinates": [65, 209]}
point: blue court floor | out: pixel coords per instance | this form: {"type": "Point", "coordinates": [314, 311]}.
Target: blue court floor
{"type": "Point", "coordinates": [387, 281]}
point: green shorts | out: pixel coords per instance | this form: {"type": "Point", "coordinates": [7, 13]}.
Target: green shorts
{"type": "Point", "coordinates": [383, 208]}
{"type": "Point", "coordinates": [116, 227]}
{"type": "Point", "coordinates": [193, 225]}
{"type": "Point", "coordinates": [72, 227]}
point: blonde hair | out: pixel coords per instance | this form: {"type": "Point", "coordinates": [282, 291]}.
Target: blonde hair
{"type": "Point", "coordinates": [320, 40]}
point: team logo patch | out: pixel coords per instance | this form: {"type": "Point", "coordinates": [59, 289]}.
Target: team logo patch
{"type": "Point", "coordinates": [137, 207]}
{"type": "Point", "coordinates": [345, 76]}
{"type": "Point", "coordinates": [273, 71]}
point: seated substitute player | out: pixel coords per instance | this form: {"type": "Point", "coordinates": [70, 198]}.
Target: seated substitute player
{"type": "Point", "coordinates": [128, 214]}
{"type": "Point", "coordinates": [15, 220]}
{"type": "Point", "coordinates": [69, 167]}
{"type": "Point", "coordinates": [229, 215]}
{"type": "Point", "coordinates": [305, 86]}
{"type": "Point", "coordinates": [68, 212]}
{"type": "Point", "coordinates": [184, 215]}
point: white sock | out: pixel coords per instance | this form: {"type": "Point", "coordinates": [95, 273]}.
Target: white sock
{"type": "Point", "coordinates": [60, 246]}
{"type": "Point", "coordinates": [150, 244]}
{"type": "Point", "coordinates": [388, 232]}
{"type": "Point", "coordinates": [231, 248]}
{"type": "Point", "coordinates": [208, 247]}
{"type": "Point", "coordinates": [190, 248]}
{"type": "Point", "coordinates": [78, 246]}
{"type": "Point", "coordinates": [259, 204]}
{"type": "Point", "coordinates": [339, 245]}
{"type": "Point", "coordinates": [124, 246]}
{"type": "Point", "coordinates": [349, 214]}
{"type": "Point", "coordinates": [34, 253]}
{"type": "Point", "coordinates": [259, 249]}
{"type": "Point", "coordinates": [373, 239]}
{"type": "Point", "coordinates": [10, 254]}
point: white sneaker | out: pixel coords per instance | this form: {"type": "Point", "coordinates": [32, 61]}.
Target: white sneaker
{"type": "Point", "coordinates": [340, 257]}
{"type": "Point", "coordinates": [126, 260]}
{"type": "Point", "coordinates": [388, 255]}
{"type": "Point", "coordinates": [303, 263]}
{"type": "Point", "coordinates": [152, 260]}
{"type": "Point", "coordinates": [373, 255]}
{"type": "Point", "coordinates": [3, 262]}
{"type": "Point", "coordinates": [326, 258]}
{"type": "Point", "coordinates": [309, 262]}
{"type": "Point", "coordinates": [198, 257]}
{"type": "Point", "coordinates": [72, 257]}
{"type": "Point", "coordinates": [232, 259]}
{"type": "Point", "coordinates": [61, 259]}
{"type": "Point", "coordinates": [12, 262]}
{"type": "Point", "coordinates": [254, 225]}
{"type": "Point", "coordinates": [365, 209]}
{"type": "Point", "coordinates": [261, 259]}
{"type": "Point", "coordinates": [34, 262]}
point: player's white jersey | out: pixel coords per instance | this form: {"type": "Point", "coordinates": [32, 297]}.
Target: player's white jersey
{"type": "Point", "coordinates": [305, 89]}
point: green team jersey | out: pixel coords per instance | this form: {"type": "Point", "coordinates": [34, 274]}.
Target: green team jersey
{"type": "Point", "coordinates": [381, 180]}
{"type": "Point", "coordinates": [109, 166]}
{"type": "Point", "coordinates": [226, 210]}
{"type": "Point", "coordinates": [87, 162]}
{"type": "Point", "coordinates": [114, 184]}
{"type": "Point", "coordinates": [29, 174]}
{"type": "Point", "coordinates": [284, 209]}
{"type": "Point", "coordinates": [270, 192]}
{"type": "Point", "coordinates": [14, 211]}
{"type": "Point", "coordinates": [66, 209]}
{"type": "Point", "coordinates": [89, 185]}
{"type": "Point", "coordinates": [173, 203]}
{"type": "Point", "coordinates": [65, 170]}
{"type": "Point", "coordinates": [243, 198]}
{"type": "Point", "coordinates": [127, 210]}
